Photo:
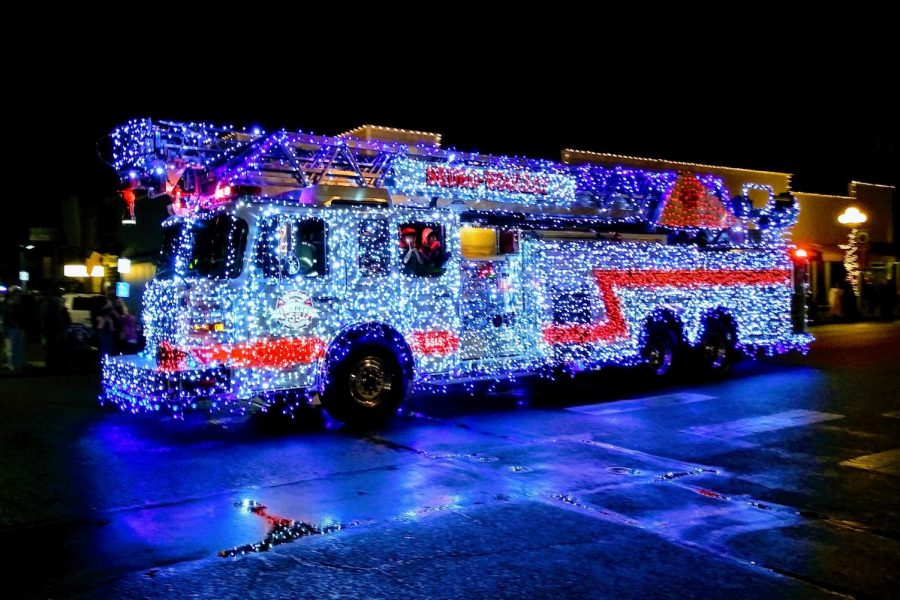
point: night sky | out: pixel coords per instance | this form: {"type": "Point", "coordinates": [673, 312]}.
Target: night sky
{"type": "Point", "coordinates": [825, 146]}
{"type": "Point", "coordinates": [825, 121]}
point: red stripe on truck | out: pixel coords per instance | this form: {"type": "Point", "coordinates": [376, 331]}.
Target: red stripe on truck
{"type": "Point", "coordinates": [271, 353]}
{"type": "Point", "coordinates": [615, 327]}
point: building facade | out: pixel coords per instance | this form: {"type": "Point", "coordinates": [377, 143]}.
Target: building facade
{"type": "Point", "coordinates": [818, 230]}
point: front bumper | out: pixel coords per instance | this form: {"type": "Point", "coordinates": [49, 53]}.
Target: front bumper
{"type": "Point", "coordinates": [135, 384]}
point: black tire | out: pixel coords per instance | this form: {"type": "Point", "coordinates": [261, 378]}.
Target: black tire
{"type": "Point", "coordinates": [365, 388]}
{"type": "Point", "coordinates": [660, 350]}
{"type": "Point", "coordinates": [715, 351]}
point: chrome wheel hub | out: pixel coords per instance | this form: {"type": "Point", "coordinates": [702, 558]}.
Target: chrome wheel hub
{"type": "Point", "coordinates": [370, 381]}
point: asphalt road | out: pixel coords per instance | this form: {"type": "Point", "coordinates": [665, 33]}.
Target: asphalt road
{"type": "Point", "coordinates": [781, 480]}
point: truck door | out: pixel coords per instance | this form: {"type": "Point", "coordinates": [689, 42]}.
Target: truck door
{"type": "Point", "coordinates": [296, 257]}
{"type": "Point", "coordinates": [491, 300]}
{"type": "Point", "coordinates": [426, 287]}
{"type": "Point", "coordinates": [371, 273]}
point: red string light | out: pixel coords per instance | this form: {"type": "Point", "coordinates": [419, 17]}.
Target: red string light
{"type": "Point", "coordinates": [268, 352]}
{"type": "Point", "coordinates": [691, 205]}
{"type": "Point", "coordinates": [434, 343]}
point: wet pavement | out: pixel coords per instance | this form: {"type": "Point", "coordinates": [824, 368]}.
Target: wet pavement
{"type": "Point", "coordinates": [781, 480]}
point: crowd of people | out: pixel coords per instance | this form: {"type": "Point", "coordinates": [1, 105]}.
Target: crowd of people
{"type": "Point", "coordinates": [876, 300]}
{"type": "Point", "coordinates": [28, 318]}
{"type": "Point", "coordinates": [115, 326]}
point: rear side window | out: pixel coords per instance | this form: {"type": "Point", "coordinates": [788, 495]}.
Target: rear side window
{"type": "Point", "coordinates": [423, 251]}
{"type": "Point", "coordinates": [293, 248]}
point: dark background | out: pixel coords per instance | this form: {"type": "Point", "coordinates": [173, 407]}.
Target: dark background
{"type": "Point", "coordinates": [818, 104]}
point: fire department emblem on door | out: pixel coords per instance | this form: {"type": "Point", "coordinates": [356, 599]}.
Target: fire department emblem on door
{"type": "Point", "coordinates": [294, 310]}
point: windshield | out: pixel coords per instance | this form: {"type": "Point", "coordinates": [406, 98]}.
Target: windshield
{"type": "Point", "coordinates": [217, 248]}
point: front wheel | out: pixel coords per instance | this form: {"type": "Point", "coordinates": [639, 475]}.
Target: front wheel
{"type": "Point", "coordinates": [366, 387]}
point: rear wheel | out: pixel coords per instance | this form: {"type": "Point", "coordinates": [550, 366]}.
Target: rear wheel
{"type": "Point", "coordinates": [660, 350]}
{"type": "Point", "coordinates": [366, 387]}
{"type": "Point", "coordinates": [716, 349]}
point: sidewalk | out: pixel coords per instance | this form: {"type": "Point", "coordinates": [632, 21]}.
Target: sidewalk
{"type": "Point", "coordinates": [848, 320]}
{"type": "Point", "coordinates": [34, 361]}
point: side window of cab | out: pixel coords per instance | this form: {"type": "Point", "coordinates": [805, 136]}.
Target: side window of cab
{"type": "Point", "coordinates": [291, 247]}
{"type": "Point", "coordinates": [423, 250]}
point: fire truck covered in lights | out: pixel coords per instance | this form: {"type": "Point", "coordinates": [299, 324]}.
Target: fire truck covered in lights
{"type": "Point", "coordinates": [297, 267]}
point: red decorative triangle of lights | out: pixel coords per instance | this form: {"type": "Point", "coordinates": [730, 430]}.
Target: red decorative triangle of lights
{"type": "Point", "coordinates": [690, 204]}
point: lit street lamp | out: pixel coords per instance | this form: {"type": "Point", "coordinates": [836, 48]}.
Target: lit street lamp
{"type": "Point", "coordinates": [852, 218]}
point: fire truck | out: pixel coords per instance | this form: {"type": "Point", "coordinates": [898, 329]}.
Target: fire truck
{"type": "Point", "coordinates": [298, 268]}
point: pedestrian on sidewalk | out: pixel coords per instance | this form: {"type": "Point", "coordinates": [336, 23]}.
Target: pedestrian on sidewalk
{"type": "Point", "coordinates": [13, 318]}
{"type": "Point", "coordinates": [107, 323]}
{"type": "Point", "coordinates": [869, 296]}
{"type": "Point", "coordinates": [130, 334]}
{"type": "Point", "coordinates": [888, 298]}
{"type": "Point", "coordinates": [849, 301]}
{"type": "Point", "coordinates": [55, 322]}
{"type": "Point", "coordinates": [835, 305]}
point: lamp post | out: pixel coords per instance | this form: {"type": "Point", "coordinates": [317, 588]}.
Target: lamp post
{"type": "Point", "coordinates": [24, 276]}
{"type": "Point", "coordinates": [852, 218]}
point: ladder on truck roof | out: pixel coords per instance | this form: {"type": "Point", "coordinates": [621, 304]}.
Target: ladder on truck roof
{"type": "Point", "coordinates": [157, 155]}
{"type": "Point", "coordinates": [194, 159]}
{"type": "Point", "coordinates": [143, 150]}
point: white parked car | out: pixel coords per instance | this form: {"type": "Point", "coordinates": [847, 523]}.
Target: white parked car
{"type": "Point", "coordinates": [80, 307]}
